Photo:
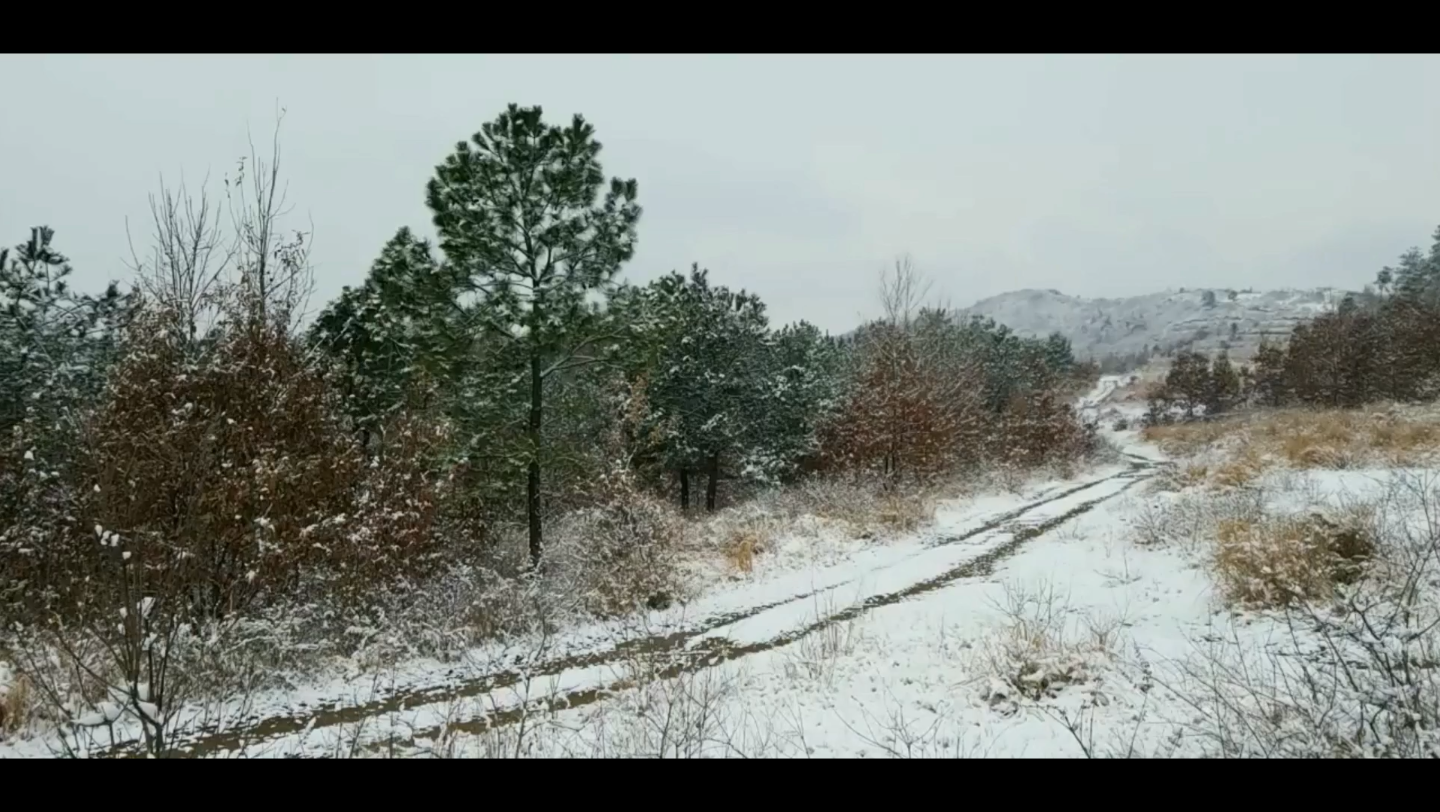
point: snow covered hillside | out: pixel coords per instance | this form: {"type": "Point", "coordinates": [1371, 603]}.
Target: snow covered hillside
{"type": "Point", "coordinates": [1097, 327]}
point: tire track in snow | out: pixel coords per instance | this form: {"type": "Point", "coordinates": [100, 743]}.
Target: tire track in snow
{"type": "Point", "coordinates": [710, 650]}
{"type": "Point", "coordinates": [700, 646]}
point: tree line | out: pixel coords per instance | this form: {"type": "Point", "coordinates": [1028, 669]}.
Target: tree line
{"type": "Point", "coordinates": [190, 449]}
{"type": "Point", "coordinates": [1382, 345]}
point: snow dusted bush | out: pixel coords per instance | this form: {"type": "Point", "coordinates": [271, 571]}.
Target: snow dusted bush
{"type": "Point", "coordinates": [620, 555]}
{"type": "Point", "coordinates": [1040, 648]}
{"type": "Point", "coordinates": [1040, 428]}
{"type": "Point", "coordinates": [901, 420]}
{"type": "Point", "coordinates": [1356, 672]}
{"type": "Point", "coordinates": [214, 480]}
{"type": "Point", "coordinates": [929, 395]}
{"type": "Point", "coordinates": [231, 470]}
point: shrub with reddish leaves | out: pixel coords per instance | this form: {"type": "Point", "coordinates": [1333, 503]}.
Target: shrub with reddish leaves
{"type": "Point", "coordinates": [227, 470]}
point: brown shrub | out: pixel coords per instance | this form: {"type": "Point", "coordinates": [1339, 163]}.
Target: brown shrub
{"type": "Point", "coordinates": [221, 474]}
{"type": "Point", "coordinates": [899, 421]}
{"type": "Point", "coordinates": [741, 548]}
{"type": "Point", "coordinates": [1039, 428]}
{"type": "Point", "coordinates": [14, 702]}
{"type": "Point", "coordinates": [1276, 561]}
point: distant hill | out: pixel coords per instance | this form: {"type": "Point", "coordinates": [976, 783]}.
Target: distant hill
{"type": "Point", "coordinates": [1097, 327]}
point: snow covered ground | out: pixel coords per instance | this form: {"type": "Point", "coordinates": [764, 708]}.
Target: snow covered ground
{"type": "Point", "coordinates": [1019, 624]}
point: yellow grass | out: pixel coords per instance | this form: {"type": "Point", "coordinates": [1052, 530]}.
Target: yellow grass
{"type": "Point", "coordinates": [1274, 561]}
{"type": "Point", "coordinates": [12, 705]}
{"type": "Point", "coordinates": [1302, 438]}
{"type": "Point", "coordinates": [858, 510]}
{"type": "Point", "coordinates": [741, 548]}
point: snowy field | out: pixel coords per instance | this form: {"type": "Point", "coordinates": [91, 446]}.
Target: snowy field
{"type": "Point", "coordinates": [1033, 623]}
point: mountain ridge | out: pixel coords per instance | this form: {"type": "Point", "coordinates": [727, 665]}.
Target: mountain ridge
{"type": "Point", "coordinates": [1208, 319]}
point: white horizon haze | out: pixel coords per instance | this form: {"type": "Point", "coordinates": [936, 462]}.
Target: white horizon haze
{"type": "Point", "coordinates": [797, 177]}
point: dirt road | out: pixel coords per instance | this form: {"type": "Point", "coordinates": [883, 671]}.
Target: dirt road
{"type": "Point", "coordinates": [703, 643]}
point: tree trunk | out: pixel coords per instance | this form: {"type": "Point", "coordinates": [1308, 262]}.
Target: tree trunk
{"type": "Point", "coordinates": [713, 483]}
{"type": "Point", "coordinates": [532, 501]}
{"type": "Point", "coordinates": [684, 489]}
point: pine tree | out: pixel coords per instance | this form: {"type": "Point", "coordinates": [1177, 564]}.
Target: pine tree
{"type": "Point", "coordinates": [54, 343]}
{"type": "Point", "coordinates": [798, 392]}
{"type": "Point", "coordinates": [1059, 358]}
{"type": "Point", "coordinates": [1413, 278]}
{"type": "Point", "coordinates": [1188, 383]}
{"type": "Point", "coordinates": [1224, 385]}
{"type": "Point", "coordinates": [394, 335]}
{"type": "Point", "coordinates": [519, 215]}
{"type": "Point", "coordinates": [1268, 374]}
{"type": "Point", "coordinates": [702, 351]}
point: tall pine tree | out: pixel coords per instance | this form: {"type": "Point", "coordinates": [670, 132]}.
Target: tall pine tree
{"type": "Point", "coordinates": [520, 215]}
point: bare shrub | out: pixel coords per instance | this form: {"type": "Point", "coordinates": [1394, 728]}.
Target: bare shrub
{"type": "Point", "coordinates": [1039, 649]}
{"type": "Point", "coordinates": [1149, 522]}
{"type": "Point", "coordinates": [817, 655]}
{"type": "Point", "coordinates": [1189, 520]}
{"type": "Point", "coordinates": [620, 555]}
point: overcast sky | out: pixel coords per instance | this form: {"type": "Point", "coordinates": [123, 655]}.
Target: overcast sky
{"type": "Point", "coordinates": [797, 177]}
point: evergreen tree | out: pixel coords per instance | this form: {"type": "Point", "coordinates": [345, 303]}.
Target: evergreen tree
{"type": "Point", "coordinates": [1268, 374]}
{"type": "Point", "coordinates": [1059, 358]}
{"type": "Point", "coordinates": [1414, 279]}
{"type": "Point", "coordinates": [397, 333]}
{"type": "Point", "coordinates": [1224, 385]}
{"type": "Point", "coordinates": [54, 343]}
{"type": "Point", "coordinates": [797, 394]}
{"type": "Point", "coordinates": [519, 214]}
{"type": "Point", "coordinates": [703, 354]}
{"type": "Point", "coordinates": [1188, 382]}
{"type": "Point", "coordinates": [1384, 279]}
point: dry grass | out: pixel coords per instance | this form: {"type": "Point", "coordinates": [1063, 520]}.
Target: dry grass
{"type": "Point", "coordinates": [1262, 555]}
{"type": "Point", "coordinates": [1304, 438]}
{"type": "Point", "coordinates": [15, 699]}
{"type": "Point", "coordinates": [1238, 471]}
{"type": "Point", "coordinates": [1218, 472]}
{"type": "Point", "coordinates": [866, 507]}
{"type": "Point", "coordinates": [1356, 675]}
{"type": "Point", "coordinates": [1041, 647]}
{"type": "Point", "coordinates": [1277, 561]}
{"type": "Point", "coordinates": [742, 546]}
{"type": "Point", "coordinates": [1188, 439]}
{"type": "Point", "coordinates": [849, 509]}
{"type": "Point", "coordinates": [1145, 380]}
